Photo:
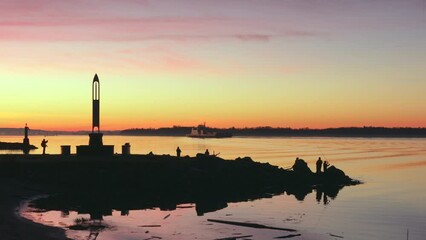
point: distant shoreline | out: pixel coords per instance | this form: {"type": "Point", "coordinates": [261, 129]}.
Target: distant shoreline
{"type": "Point", "coordinates": [362, 132]}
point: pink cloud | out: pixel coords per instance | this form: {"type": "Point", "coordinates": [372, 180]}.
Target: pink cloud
{"type": "Point", "coordinates": [133, 20]}
{"type": "Point", "coordinates": [142, 29]}
{"type": "Point", "coordinates": [79, 20]}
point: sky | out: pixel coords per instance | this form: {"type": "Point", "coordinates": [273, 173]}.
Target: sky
{"type": "Point", "coordinates": [241, 63]}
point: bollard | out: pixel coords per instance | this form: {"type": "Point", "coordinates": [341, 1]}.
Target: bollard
{"type": "Point", "coordinates": [125, 149]}
{"type": "Point", "coordinates": [66, 150]}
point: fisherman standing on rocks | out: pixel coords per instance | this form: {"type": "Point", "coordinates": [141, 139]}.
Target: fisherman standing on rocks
{"type": "Point", "coordinates": [178, 151]}
{"type": "Point", "coordinates": [319, 164]}
{"type": "Point", "coordinates": [326, 165]}
{"type": "Point", "coordinates": [44, 145]}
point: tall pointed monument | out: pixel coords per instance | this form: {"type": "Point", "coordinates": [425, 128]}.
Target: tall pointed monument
{"type": "Point", "coordinates": [96, 146]}
{"type": "Point", "coordinates": [96, 94]}
{"type": "Point", "coordinates": [96, 137]}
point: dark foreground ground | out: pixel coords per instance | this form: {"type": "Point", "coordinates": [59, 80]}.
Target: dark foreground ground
{"type": "Point", "coordinates": [13, 227]}
{"type": "Point", "coordinates": [96, 185]}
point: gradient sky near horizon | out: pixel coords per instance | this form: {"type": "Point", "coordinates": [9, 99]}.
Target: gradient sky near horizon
{"type": "Point", "coordinates": [288, 63]}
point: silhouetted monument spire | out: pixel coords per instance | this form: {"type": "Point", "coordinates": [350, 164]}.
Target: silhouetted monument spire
{"type": "Point", "coordinates": [96, 94]}
{"type": "Point", "coordinates": [96, 146]}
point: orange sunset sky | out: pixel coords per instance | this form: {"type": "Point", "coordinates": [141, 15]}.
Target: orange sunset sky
{"type": "Point", "coordinates": [242, 63]}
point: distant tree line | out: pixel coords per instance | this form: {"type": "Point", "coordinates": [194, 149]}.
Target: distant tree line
{"type": "Point", "coordinates": [171, 131]}
{"type": "Point", "coordinates": [256, 131]}
{"type": "Point", "coordinates": [290, 132]}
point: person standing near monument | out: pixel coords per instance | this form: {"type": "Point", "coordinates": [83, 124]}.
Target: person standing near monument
{"type": "Point", "coordinates": [44, 145]}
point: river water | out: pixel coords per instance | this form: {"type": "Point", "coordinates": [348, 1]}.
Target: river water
{"type": "Point", "coordinates": [391, 204]}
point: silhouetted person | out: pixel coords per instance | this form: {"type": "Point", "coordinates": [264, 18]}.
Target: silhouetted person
{"type": "Point", "coordinates": [325, 165]}
{"type": "Point", "coordinates": [178, 151]}
{"type": "Point", "coordinates": [44, 145]}
{"type": "Point", "coordinates": [207, 152]}
{"type": "Point", "coordinates": [319, 164]}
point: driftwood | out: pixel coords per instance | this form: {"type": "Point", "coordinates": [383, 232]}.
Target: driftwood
{"type": "Point", "coordinates": [234, 237]}
{"type": "Point", "coordinates": [290, 236]}
{"type": "Point", "coordinates": [333, 235]}
{"type": "Point", "coordinates": [251, 225]}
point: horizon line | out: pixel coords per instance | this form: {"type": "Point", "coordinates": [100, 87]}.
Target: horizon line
{"type": "Point", "coordinates": [233, 127]}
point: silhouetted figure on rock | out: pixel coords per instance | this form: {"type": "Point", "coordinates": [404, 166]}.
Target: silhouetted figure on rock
{"type": "Point", "coordinates": [178, 151]}
{"type": "Point", "coordinates": [319, 164]}
{"type": "Point", "coordinates": [207, 153]}
{"type": "Point", "coordinates": [44, 145]}
{"type": "Point", "coordinates": [326, 165]}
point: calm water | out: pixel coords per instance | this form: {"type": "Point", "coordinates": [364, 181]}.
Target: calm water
{"type": "Point", "coordinates": [391, 203]}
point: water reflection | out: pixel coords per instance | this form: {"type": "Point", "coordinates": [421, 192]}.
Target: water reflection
{"type": "Point", "coordinates": [98, 207]}
{"type": "Point", "coordinates": [93, 225]}
{"type": "Point", "coordinates": [325, 193]}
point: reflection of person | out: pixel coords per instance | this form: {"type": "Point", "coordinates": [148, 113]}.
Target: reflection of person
{"type": "Point", "coordinates": [44, 145]}
{"type": "Point", "coordinates": [319, 163]}
{"type": "Point", "coordinates": [325, 199]}
{"type": "Point", "coordinates": [207, 152]}
{"type": "Point", "coordinates": [319, 195]}
{"type": "Point", "coordinates": [178, 151]}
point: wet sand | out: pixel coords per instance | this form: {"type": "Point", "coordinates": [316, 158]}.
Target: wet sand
{"type": "Point", "coordinates": [13, 226]}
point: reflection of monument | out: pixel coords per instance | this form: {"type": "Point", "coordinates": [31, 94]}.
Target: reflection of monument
{"type": "Point", "coordinates": [96, 146]}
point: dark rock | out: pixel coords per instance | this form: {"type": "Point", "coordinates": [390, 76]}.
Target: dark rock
{"type": "Point", "coordinates": [301, 167]}
{"type": "Point", "coordinates": [245, 159]}
{"type": "Point", "coordinates": [335, 175]}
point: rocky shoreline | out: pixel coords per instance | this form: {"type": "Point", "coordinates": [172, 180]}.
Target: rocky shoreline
{"type": "Point", "coordinates": [96, 185]}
